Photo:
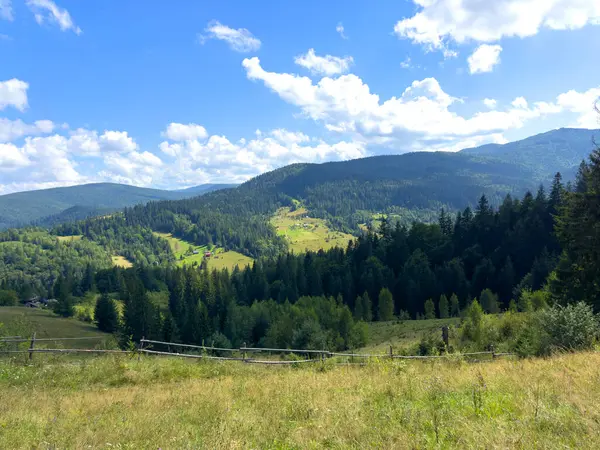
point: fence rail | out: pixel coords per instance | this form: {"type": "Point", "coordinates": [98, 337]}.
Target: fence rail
{"type": "Point", "coordinates": [322, 355]}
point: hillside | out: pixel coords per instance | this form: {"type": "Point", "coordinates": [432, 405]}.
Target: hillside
{"type": "Point", "coordinates": [49, 207]}
{"type": "Point", "coordinates": [349, 194]}
{"type": "Point", "coordinates": [559, 150]}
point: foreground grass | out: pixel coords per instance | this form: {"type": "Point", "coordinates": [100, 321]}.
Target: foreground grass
{"type": "Point", "coordinates": [119, 402]}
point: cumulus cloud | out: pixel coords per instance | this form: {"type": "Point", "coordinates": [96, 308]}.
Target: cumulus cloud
{"type": "Point", "coordinates": [324, 65]}
{"type": "Point", "coordinates": [48, 11]}
{"type": "Point", "coordinates": [117, 141]}
{"type": "Point", "coordinates": [340, 30]}
{"type": "Point", "coordinates": [484, 58]}
{"type": "Point", "coordinates": [439, 21]}
{"type": "Point", "coordinates": [581, 103]}
{"type": "Point", "coordinates": [182, 132]}
{"type": "Point", "coordinates": [240, 40]}
{"type": "Point", "coordinates": [11, 130]}
{"type": "Point", "coordinates": [12, 157]}
{"type": "Point", "coordinates": [421, 114]}
{"type": "Point", "coordinates": [13, 93]}
{"type": "Point", "coordinates": [217, 158]}
{"type": "Point", "coordinates": [6, 11]}
{"type": "Point", "coordinates": [490, 103]}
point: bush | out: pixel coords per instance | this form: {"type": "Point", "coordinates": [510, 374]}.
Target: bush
{"type": "Point", "coordinates": [8, 298]}
{"type": "Point", "coordinates": [573, 327]}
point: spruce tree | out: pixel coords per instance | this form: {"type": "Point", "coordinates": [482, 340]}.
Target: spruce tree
{"type": "Point", "coordinates": [444, 307]}
{"type": "Point", "coordinates": [386, 305]}
{"type": "Point", "coordinates": [105, 314]}
{"type": "Point", "coordinates": [367, 307]}
{"type": "Point", "coordinates": [454, 306]}
{"type": "Point", "coordinates": [429, 309]}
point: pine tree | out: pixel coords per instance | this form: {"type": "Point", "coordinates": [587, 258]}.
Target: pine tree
{"type": "Point", "coordinates": [64, 300]}
{"type": "Point", "coordinates": [386, 305]}
{"type": "Point", "coordinates": [429, 309]}
{"type": "Point", "coordinates": [367, 307]}
{"type": "Point", "coordinates": [454, 306]}
{"type": "Point", "coordinates": [443, 307]}
{"type": "Point", "coordinates": [105, 314]}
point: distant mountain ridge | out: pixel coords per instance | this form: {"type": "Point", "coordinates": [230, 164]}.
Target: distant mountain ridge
{"type": "Point", "coordinates": [48, 207]}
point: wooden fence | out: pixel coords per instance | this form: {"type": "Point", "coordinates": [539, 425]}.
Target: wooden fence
{"type": "Point", "coordinates": [147, 346]}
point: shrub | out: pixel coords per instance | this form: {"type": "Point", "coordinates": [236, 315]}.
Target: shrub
{"type": "Point", "coordinates": [429, 309]}
{"type": "Point", "coordinates": [572, 327]}
{"type": "Point", "coordinates": [8, 298]}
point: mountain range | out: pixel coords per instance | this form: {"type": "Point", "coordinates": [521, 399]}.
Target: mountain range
{"type": "Point", "coordinates": [48, 207]}
{"type": "Point", "coordinates": [411, 186]}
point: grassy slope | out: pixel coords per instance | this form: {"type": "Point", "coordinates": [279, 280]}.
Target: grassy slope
{"type": "Point", "coordinates": [23, 321]}
{"type": "Point", "coordinates": [401, 335]}
{"type": "Point", "coordinates": [222, 260]}
{"type": "Point", "coordinates": [314, 236]}
{"type": "Point", "coordinates": [120, 402]}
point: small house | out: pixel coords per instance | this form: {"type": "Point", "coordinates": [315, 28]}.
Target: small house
{"type": "Point", "coordinates": [195, 252]}
{"type": "Point", "coordinates": [207, 254]}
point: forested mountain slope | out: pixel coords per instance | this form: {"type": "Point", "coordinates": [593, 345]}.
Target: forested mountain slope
{"type": "Point", "coordinates": [48, 207]}
{"type": "Point", "coordinates": [409, 187]}
{"type": "Point", "coordinates": [557, 150]}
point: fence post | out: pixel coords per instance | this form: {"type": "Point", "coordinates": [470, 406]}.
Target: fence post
{"type": "Point", "coordinates": [493, 351]}
{"type": "Point", "coordinates": [32, 346]}
{"type": "Point", "coordinates": [445, 336]}
{"type": "Point", "coordinates": [141, 348]}
{"type": "Point", "coordinates": [391, 352]}
{"type": "Point", "coordinates": [243, 352]}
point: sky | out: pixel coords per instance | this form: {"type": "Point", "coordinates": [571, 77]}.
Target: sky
{"type": "Point", "coordinates": [176, 94]}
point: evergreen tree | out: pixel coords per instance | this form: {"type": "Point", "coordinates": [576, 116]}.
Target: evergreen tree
{"type": "Point", "coordinates": [367, 307]}
{"type": "Point", "coordinates": [454, 306]}
{"type": "Point", "coordinates": [489, 301]}
{"type": "Point", "coordinates": [65, 302]}
{"type": "Point", "coordinates": [386, 305]}
{"type": "Point", "coordinates": [429, 309]}
{"type": "Point", "coordinates": [105, 314]}
{"type": "Point", "coordinates": [359, 313]}
{"type": "Point", "coordinates": [444, 307]}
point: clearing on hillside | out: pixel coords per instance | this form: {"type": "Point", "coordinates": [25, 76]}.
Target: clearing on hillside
{"type": "Point", "coordinates": [123, 402]}
{"type": "Point", "coordinates": [187, 253]}
{"type": "Point", "coordinates": [306, 233]}
{"type": "Point", "coordinates": [76, 237]}
{"type": "Point", "coordinates": [121, 261]}
{"type": "Point", "coordinates": [22, 321]}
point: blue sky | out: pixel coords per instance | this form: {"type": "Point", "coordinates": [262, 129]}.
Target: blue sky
{"type": "Point", "coordinates": [175, 94]}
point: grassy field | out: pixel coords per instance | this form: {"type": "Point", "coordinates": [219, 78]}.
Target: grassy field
{"type": "Point", "coordinates": [120, 402]}
{"type": "Point", "coordinates": [305, 233]}
{"type": "Point", "coordinates": [220, 260]}
{"type": "Point", "coordinates": [121, 261]}
{"type": "Point", "coordinates": [21, 321]}
{"type": "Point", "coordinates": [76, 237]}
{"type": "Point", "coordinates": [403, 334]}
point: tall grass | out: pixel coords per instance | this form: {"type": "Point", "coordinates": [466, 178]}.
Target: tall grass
{"type": "Point", "coordinates": [123, 402]}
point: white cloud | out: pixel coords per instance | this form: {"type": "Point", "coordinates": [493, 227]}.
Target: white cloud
{"type": "Point", "coordinates": [140, 168]}
{"type": "Point", "coordinates": [6, 11]}
{"type": "Point", "coordinates": [240, 40]}
{"type": "Point", "coordinates": [324, 65]}
{"type": "Point", "coordinates": [440, 21]}
{"type": "Point", "coordinates": [117, 141]}
{"type": "Point", "coordinates": [12, 157]}
{"type": "Point", "coordinates": [421, 114]}
{"type": "Point", "coordinates": [490, 103]}
{"type": "Point", "coordinates": [182, 132]}
{"type": "Point", "coordinates": [340, 30]}
{"type": "Point", "coordinates": [484, 58]}
{"type": "Point", "coordinates": [11, 130]}
{"type": "Point", "coordinates": [48, 11]}
{"type": "Point", "coordinates": [449, 54]}
{"type": "Point", "coordinates": [581, 103]}
{"type": "Point", "coordinates": [13, 93]}
{"type": "Point", "coordinates": [216, 158]}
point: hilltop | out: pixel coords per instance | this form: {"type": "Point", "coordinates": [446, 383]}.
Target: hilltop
{"type": "Point", "coordinates": [49, 207]}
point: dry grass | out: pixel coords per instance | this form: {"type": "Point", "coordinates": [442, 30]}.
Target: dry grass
{"type": "Point", "coordinates": [119, 402]}
{"type": "Point", "coordinates": [72, 238]}
{"type": "Point", "coordinates": [121, 261]}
